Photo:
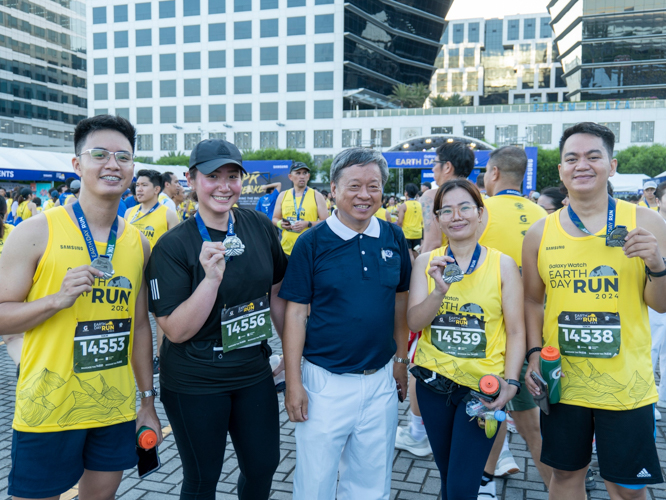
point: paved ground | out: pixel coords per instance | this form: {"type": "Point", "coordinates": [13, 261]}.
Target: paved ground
{"type": "Point", "coordinates": [413, 478]}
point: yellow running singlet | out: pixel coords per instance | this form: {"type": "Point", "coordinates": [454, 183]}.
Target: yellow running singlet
{"type": "Point", "coordinates": [76, 370]}
{"type": "Point", "coordinates": [8, 229]}
{"type": "Point", "coordinates": [23, 211]}
{"type": "Point", "coordinates": [308, 213]}
{"type": "Point", "coordinates": [383, 214]}
{"type": "Point", "coordinates": [412, 223]}
{"type": "Point", "coordinates": [509, 218]}
{"type": "Point", "coordinates": [48, 205]}
{"type": "Point", "coordinates": [597, 317]}
{"type": "Point", "coordinates": [153, 226]}
{"type": "Point", "coordinates": [470, 341]}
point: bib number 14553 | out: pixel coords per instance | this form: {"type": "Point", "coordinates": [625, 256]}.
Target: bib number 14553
{"type": "Point", "coordinates": [101, 345]}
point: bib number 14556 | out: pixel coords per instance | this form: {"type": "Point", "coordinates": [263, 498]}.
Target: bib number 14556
{"type": "Point", "coordinates": [246, 324]}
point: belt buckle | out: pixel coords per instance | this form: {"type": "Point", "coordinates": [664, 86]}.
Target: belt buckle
{"type": "Point", "coordinates": [369, 372]}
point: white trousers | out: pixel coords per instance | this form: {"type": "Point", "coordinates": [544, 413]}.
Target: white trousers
{"type": "Point", "coordinates": [351, 426]}
{"type": "Point", "coordinates": [658, 328]}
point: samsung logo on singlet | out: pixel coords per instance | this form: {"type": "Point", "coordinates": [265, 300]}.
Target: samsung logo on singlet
{"type": "Point", "coordinates": [560, 247]}
{"type": "Point", "coordinates": [70, 247]}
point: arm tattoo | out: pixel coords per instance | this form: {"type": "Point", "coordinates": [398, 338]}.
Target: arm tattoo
{"type": "Point", "coordinates": [427, 212]}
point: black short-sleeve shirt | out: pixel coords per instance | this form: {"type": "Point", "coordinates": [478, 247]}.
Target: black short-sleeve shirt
{"type": "Point", "coordinates": [174, 273]}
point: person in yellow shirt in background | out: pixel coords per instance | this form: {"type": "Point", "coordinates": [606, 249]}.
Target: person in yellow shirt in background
{"type": "Point", "coordinates": [153, 219]}
{"type": "Point", "coordinates": [298, 209]}
{"type": "Point", "coordinates": [649, 199]}
{"type": "Point", "coordinates": [410, 219]}
{"type": "Point", "coordinates": [26, 206]}
{"type": "Point", "coordinates": [13, 342]}
{"type": "Point", "coordinates": [75, 189]}
{"type": "Point", "coordinates": [52, 201]}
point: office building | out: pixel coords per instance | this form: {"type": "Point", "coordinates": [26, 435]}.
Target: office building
{"type": "Point", "coordinates": [499, 61]}
{"type": "Point", "coordinates": [42, 72]}
{"type": "Point", "coordinates": [611, 49]}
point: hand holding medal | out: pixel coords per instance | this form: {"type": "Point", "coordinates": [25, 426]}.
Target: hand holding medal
{"type": "Point", "coordinates": [213, 260]}
{"type": "Point", "coordinates": [642, 243]}
{"type": "Point", "coordinates": [437, 271]}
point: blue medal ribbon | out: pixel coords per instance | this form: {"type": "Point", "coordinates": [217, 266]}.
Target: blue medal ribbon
{"type": "Point", "coordinates": [203, 230]}
{"type": "Point", "coordinates": [610, 221]}
{"type": "Point", "coordinates": [473, 263]}
{"type": "Point", "coordinates": [298, 212]}
{"type": "Point", "coordinates": [136, 215]}
{"type": "Point", "coordinates": [509, 191]}
{"type": "Point", "coordinates": [88, 238]}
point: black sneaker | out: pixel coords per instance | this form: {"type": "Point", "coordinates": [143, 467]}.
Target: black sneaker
{"type": "Point", "coordinates": [156, 367]}
{"type": "Point", "coordinates": [590, 483]}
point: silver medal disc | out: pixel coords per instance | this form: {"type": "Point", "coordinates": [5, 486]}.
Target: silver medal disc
{"type": "Point", "coordinates": [234, 247]}
{"type": "Point", "coordinates": [103, 263]}
{"type": "Point", "coordinates": [452, 274]}
{"type": "Point", "coordinates": [617, 237]}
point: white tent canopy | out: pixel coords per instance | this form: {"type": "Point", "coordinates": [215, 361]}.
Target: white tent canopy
{"type": "Point", "coordinates": [46, 161]}
{"type": "Point", "coordinates": [630, 183]}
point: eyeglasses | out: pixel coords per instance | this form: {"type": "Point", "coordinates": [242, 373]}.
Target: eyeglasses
{"type": "Point", "coordinates": [101, 156]}
{"type": "Point", "coordinates": [464, 211]}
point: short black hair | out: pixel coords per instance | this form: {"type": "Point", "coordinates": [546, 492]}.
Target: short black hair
{"type": "Point", "coordinates": [661, 189]}
{"type": "Point", "coordinates": [606, 135]}
{"type": "Point", "coordinates": [103, 122]}
{"type": "Point", "coordinates": [556, 195]}
{"type": "Point", "coordinates": [69, 181]}
{"type": "Point", "coordinates": [426, 184]}
{"type": "Point", "coordinates": [37, 201]}
{"type": "Point", "coordinates": [460, 156]}
{"type": "Point", "coordinates": [132, 188]}
{"type": "Point", "coordinates": [480, 182]}
{"type": "Point", "coordinates": [411, 190]}
{"type": "Point", "coordinates": [510, 160]}
{"type": "Point", "coordinates": [153, 175]}
{"type": "Point", "coordinates": [167, 177]}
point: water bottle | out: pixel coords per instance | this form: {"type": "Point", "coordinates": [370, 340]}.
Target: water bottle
{"type": "Point", "coordinates": [490, 385]}
{"type": "Point", "coordinates": [487, 419]}
{"type": "Point", "coordinates": [146, 438]}
{"type": "Point", "coordinates": [551, 370]}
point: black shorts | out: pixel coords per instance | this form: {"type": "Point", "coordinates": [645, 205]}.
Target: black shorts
{"type": "Point", "coordinates": [411, 244]}
{"type": "Point", "coordinates": [625, 442]}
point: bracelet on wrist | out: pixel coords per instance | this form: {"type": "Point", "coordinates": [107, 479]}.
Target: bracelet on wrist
{"type": "Point", "coordinates": [659, 274]}
{"type": "Point", "coordinates": [514, 383]}
{"type": "Point", "coordinates": [530, 352]}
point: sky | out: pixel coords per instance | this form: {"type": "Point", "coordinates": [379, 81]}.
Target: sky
{"type": "Point", "coordinates": [465, 9]}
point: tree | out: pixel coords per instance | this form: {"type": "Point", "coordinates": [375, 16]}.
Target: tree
{"type": "Point", "coordinates": [648, 160]}
{"type": "Point", "coordinates": [420, 92]}
{"type": "Point", "coordinates": [547, 172]}
{"type": "Point", "coordinates": [174, 158]}
{"type": "Point", "coordinates": [325, 170]}
{"type": "Point", "coordinates": [443, 102]}
{"type": "Point", "coordinates": [410, 96]}
{"type": "Point", "coordinates": [143, 159]}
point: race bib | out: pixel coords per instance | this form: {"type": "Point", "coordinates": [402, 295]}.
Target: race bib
{"type": "Point", "coordinates": [246, 324]}
{"type": "Point", "coordinates": [459, 336]}
{"type": "Point", "coordinates": [101, 345]}
{"type": "Point", "coordinates": [589, 334]}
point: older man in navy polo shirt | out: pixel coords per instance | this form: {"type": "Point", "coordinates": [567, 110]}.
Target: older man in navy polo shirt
{"type": "Point", "coordinates": [354, 271]}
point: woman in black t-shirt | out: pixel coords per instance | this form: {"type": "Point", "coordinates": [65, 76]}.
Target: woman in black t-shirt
{"type": "Point", "coordinates": [212, 278]}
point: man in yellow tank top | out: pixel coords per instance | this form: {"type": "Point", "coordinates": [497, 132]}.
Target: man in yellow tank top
{"type": "Point", "coordinates": [454, 160]}
{"type": "Point", "coordinates": [153, 219]}
{"type": "Point", "coordinates": [75, 188]}
{"type": "Point", "coordinates": [298, 209]}
{"type": "Point", "coordinates": [410, 219]}
{"type": "Point", "coordinates": [88, 338]}
{"type": "Point", "coordinates": [600, 263]}
{"type": "Point", "coordinates": [649, 199]}
{"type": "Point", "coordinates": [505, 221]}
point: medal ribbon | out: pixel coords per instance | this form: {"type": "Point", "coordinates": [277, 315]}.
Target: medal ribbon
{"type": "Point", "coordinates": [298, 212]}
{"type": "Point", "coordinates": [203, 230]}
{"type": "Point", "coordinates": [472, 264]}
{"type": "Point", "coordinates": [136, 215]}
{"type": "Point", "coordinates": [610, 221]}
{"type": "Point", "coordinates": [509, 191]}
{"type": "Point", "coordinates": [87, 235]}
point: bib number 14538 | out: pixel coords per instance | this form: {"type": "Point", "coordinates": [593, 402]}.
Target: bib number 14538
{"type": "Point", "coordinates": [589, 334]}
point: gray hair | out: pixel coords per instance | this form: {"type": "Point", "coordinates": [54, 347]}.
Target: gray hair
{"type": "Point", "coordinates": [358, 156]}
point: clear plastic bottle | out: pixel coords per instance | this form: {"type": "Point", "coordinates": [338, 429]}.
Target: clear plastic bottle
{"type": "Point", "coordinates": [487, 419]}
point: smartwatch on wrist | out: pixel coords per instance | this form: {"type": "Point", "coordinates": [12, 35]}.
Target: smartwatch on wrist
{"type": "Point", "coordinates": [309, 223]}
{"type": "Point", "coordinates": [515, 383]}
{"type": "Point", "coordinates": [656, 275]}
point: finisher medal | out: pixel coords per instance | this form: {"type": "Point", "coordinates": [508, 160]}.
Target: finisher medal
{"type": "Point", "coordinates": [103, 263]}
{"type": "Point", "coordinates": [617, 237]}
{"type": "Point", "coordinates": [452, 274]}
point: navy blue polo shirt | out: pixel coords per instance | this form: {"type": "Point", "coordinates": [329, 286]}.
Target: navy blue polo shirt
{"type": "Point", "coordinates": [350, 279]}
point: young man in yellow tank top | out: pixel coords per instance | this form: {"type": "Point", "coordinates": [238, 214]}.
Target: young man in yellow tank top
{"type": "Point", "coordinates": [649, 199]}
{"type": "Point", "coordinates": [410, 219]}
{"type": "Point", "coordinates": [153, 219]}
{"type": "Point", "coordinates": [88, 337]}
{"type": "Point", "coordinates": [298, 209]}
{"type": "Point", "coordinates": [600, 263]}
{"type": "Point", "coordinates": [505, 221]}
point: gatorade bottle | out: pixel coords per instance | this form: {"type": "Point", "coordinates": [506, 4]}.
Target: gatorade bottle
{"type": "Point", "coordinates": [490, 385]}
{"type": "Point", "coordinates": [146, 438]}
{"type": "Point", "coordinates": [551, 371]}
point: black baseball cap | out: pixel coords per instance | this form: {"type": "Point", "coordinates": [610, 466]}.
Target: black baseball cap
{"type": "Point", "coordinates": [211, 154]}
{"type": "Point", "coordinates": [298, 165]}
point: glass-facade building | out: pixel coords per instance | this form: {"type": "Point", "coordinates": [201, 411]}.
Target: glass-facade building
{"type": "Point", "coordinates": [611, 49]}
{"type": "Point", "coordinates": [43, 91]}
{"type": "Point", "coordinates": [500, 61]}
{"type": "Point", "coordinates": [390, 42]}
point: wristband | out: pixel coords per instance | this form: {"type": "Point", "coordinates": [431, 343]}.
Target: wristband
{"type": "Point", "coordinates": [656, 275]}
{"type": "Point", "coordinates": [530, 352]}
{"type": "Point", "coordinates": [515, 383]}
{"type": "Point", "coordinates": [279, 224]}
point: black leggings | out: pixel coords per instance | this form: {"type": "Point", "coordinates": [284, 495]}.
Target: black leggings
{"type": "Point", "coordinates": [200, 425]}
{"type": "Point", "coordinates": [459, 445]}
